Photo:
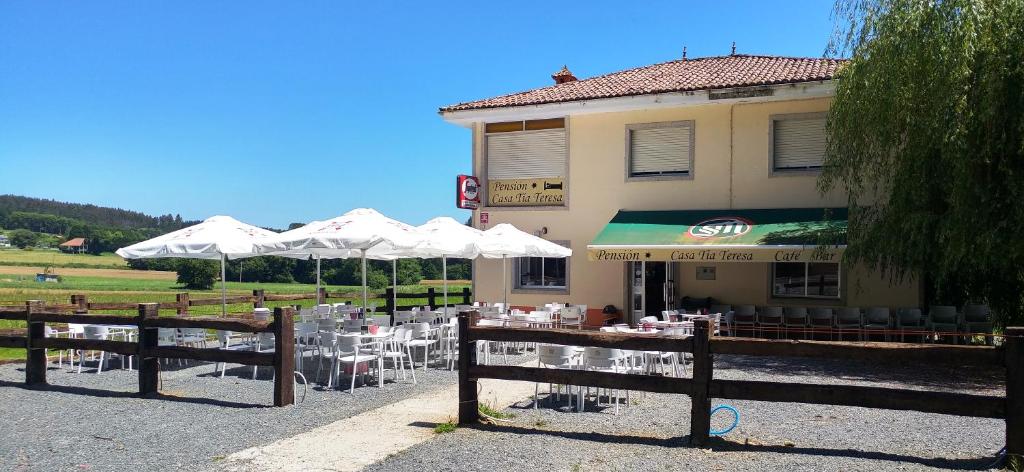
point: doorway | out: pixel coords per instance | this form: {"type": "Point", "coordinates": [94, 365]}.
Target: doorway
{"type": "Point", "coordinates": [653, 287]}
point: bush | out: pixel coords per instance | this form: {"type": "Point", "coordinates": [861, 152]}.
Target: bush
{"type": "Point", "coordinates": [23, 238]}
{"type": "Point", "coordinates": [376, 278]}
{"type": "Point", "coordinates": [197, 274]}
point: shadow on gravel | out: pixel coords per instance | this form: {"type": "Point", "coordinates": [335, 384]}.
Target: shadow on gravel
{"type": "Point", "coordinates": [980, 463]}
{"type": "Point", "coordinates": [93, 392]}
{"type": "Point", "coordinates": [979, 379]}
{"type": "Point", "coordinates": [582, 436]}
{"type": "Point", "coordinates": [721, 445]}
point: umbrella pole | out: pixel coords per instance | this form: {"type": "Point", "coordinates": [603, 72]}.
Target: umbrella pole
{"type": "Point", "coordinates": [318, 280]}
{"type": "Point", "coordinates": [394, 285]}
{"type": "Point", "coordinates": [364, 283]}
{"type": "Point", "coordinates": [444, 275]}
{"type": "Point", "coordinates": [223, 288]}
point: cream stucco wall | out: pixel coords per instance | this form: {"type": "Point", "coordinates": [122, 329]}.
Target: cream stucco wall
{"type": "Point", "coordinates": [731, 169]}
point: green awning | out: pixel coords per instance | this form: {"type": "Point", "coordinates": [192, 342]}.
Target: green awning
{"type": "Point", "coordinates": [762, 235]}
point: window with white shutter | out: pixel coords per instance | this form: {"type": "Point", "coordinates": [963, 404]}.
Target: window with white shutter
{"type": "Point", "coordinates": [798, 142]}
{"type": "Point", "coordinates": [526, 163]}
{"type": "Point", "coordinates": [526, 154]}
{"type": "Point", "coordinates": [659, 150]}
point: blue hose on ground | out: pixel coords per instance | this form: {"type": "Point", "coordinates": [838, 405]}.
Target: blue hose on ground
{"type": "Point", "coordinates": [735, 419]}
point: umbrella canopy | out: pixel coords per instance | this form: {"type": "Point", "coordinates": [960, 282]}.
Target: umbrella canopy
{"type": "Point", "coordinates": [505, 240]}
{"type": "Point", "coordinates": [345, 236]}
{"type": "Point", "coordinates": [217, 237]}
{"type": "Point", "coordinates": [440, 237]}
{"type": "Point", "coordinates": [349, 235]}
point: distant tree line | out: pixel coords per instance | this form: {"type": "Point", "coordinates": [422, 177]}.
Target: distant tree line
{"type": "Point", "coordinates": [35, 222]}
{"type": "Point", "coordinates": [96, 215]}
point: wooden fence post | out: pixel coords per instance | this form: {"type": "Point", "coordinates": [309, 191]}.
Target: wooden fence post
{"type": "Point", "coordinates": [35, 362]}
{"type": "Point", "coordinates": [700, 414]}
{"type": "Point", "coordinates": [82, 301]}
{"type": "Point", "coordinates": [259, 298]}
{"type": "Point", "coordinates": [467, 296]}
{"type": "Point", "coordinates": [431, 298]}
{"type": "Point", "coordinates": [389, 303]}
{"type": "Point", "coordinates": [1014, 360]}
{"type": "Point", "coordinates": [284, 356]}
{"type": "Point", "coordinates": [468, 402]}
{"type": "Point", "coordinates": [322, 295]}
{"type": "Point", "coordinates": [149, 366]}
{"type": "Point", "coordinates": [182, 299]}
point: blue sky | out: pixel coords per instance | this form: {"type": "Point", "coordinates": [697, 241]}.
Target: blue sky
{"type": "Point", "coordinates": [279, 112]}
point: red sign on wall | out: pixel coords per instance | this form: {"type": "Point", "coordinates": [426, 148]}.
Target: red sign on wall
{"type": "Point", "coordinates": [467, 192]}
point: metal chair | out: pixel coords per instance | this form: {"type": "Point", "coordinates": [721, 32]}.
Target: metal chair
{"type": "Point", "coordinates": [943, 319]}
{"type": "Point", "coordinates": [820, 318]}
{"type": "Point", "coordinates": [847, 318]}
{"type": "Point", "coordinates": [877, 318]}
{"type": "Point", "coordinates": [977, 319]}
{"type": "Point", "coordinates": [770, 316]}
{"type": "Point", "coordinates": [795, 317]}
{"type": "Point", "coordinates": [744, 316]}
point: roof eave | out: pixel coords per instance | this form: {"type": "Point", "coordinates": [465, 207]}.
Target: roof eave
{"type": "Point", "coordinates": [780, 92]}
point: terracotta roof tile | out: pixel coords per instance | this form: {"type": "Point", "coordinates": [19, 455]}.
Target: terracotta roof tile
{"type": "Point", "coordinates": [705, 73]}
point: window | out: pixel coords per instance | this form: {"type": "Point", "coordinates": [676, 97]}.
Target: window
{"type": "Point", "coordinates": [805, 279]}
{"type": "Point", "coordinates": [797, 142]}
{"type": "Point", "coordinates": [659, 150]}
{"type": "Point", "coordinates": [526, 149]}
{"type": "Point", "coordinates": [541, 273]}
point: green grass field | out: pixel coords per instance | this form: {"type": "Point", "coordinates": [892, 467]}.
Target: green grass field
{"type": "Point", "coordinates": [20, 257]}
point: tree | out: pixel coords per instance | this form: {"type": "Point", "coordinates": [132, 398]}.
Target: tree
{"type": "Point", "coordinates": [23, 238]}
{"type": "Point", "coordinates": [925, 135]}
{"type": "Point", "coordinates": [409, 271]}
{"type": "Point", "coordinates": [197, 274]}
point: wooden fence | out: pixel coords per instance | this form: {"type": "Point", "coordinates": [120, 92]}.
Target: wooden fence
{"type": "Point", "coordinates": [147, 350]}
{"type": "Point", "coordinates": [702, 387]}
{"type": "Point", "coordinates": [259, 298]}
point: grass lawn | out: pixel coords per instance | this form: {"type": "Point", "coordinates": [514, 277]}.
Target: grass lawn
{"type": "Point", "coordinates": [42, 258]}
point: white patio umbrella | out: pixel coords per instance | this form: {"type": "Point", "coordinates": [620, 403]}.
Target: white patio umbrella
{"type": "Point", "coordinates": [505, 240]}
{"type": "Point", "coordinates": [440, 237]}
{"type": "Point", "coordinates": [217, 237]}
{"type": "Point", "coordinates": [346, 236]}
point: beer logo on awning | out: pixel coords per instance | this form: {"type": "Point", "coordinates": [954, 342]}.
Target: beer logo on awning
{"type": "Point", "coordinates": [721, 227]}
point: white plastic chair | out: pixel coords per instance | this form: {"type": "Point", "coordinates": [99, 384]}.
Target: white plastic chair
{"type": "Point", "coordinates": [554, 357]}
{"type": "Point", "coordinates": [421, 339]}
{"type": "Point", "coordinates": [100, 333]}
{"type": "Point", "coordinates": [349, 352]}
{"type": "Point", "coordinates": [605, 360]}
{"type": "Point", "coordinates": [396, 349]}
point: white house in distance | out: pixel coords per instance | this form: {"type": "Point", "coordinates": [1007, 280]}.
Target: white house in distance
{"type": "Point", "coordinates": [689, 178]}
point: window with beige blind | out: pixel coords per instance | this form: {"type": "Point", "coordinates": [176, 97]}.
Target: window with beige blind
{"type": "Point", "coordinates": [659, 150]}
{"type": "Point", "coordinates": [797, 142]}
{"type": "Point", "coordinates": [526, 149]}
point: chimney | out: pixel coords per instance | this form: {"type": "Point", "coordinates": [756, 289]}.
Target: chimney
{"type": "Point", "coordinates": [563, 76]}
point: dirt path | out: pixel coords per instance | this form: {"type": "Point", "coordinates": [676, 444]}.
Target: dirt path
{"type": "Point", "coordinates": [114, 273]}
{"type": "Point", "coordinates": [354, 443]}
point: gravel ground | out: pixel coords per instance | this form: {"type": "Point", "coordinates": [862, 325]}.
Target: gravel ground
{"type": "Point", "coordinates": [650, 434]}
{"type": "Point", "coordinates": [95, 422]}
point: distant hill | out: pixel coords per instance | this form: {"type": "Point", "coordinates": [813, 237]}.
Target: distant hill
{"type": "Point", "coordinates": [93, 214]}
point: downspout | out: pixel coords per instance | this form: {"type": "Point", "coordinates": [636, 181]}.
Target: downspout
{"type": "Point", "coordinates": [731, 135]}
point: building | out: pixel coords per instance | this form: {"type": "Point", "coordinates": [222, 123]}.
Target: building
{"type": "Point", "coordinates": [690, 178]}
{"type": "Point", "coordinates": [74, 245]}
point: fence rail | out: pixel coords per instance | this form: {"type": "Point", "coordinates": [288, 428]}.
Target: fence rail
{"type": "Point", "coordinates": [183, 301]}
{"type": "Point", "coordinates": [147, 350]}
{"type": "Point", "coordinates": [703, 386]}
